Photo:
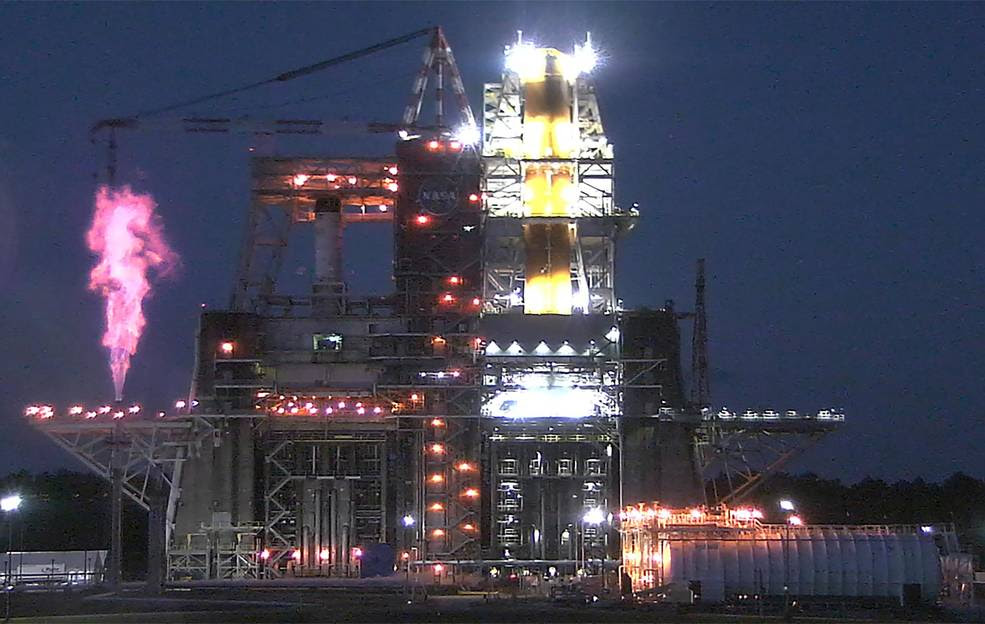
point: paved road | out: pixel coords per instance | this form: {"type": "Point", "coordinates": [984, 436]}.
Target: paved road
{"type": "Point", "coordinates": [228, 605]}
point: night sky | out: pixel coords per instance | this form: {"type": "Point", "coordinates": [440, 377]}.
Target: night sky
{"type": "Point", "coordinates": [827, 159]}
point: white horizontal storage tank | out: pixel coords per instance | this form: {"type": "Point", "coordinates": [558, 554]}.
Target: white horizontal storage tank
{"type": "Point", "coordinates": [829, 561]}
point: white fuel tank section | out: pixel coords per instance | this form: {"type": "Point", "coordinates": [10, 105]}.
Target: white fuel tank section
{"type": "Point", "coordinates": [722, 563]}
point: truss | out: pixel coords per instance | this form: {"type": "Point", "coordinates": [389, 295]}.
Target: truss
{"type": "Point", "coordinates": [284, 194]}
{"type": "Point", "coordinates": [439, 61]}
{"type": "Point", "coordinates": [142, 450]}
{"type": "Point", "coordinates": [292, 456]}
{"type": "Point", "coordinates": [741, 455]}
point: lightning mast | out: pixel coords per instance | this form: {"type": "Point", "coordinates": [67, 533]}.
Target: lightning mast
{"type": "Point", "coordinates": [700, 395]}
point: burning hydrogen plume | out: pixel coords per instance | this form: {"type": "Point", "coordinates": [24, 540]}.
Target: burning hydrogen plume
{"type": "Point", "coordinates": [127, 237]}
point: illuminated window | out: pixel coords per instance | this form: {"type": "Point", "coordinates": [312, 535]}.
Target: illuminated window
{"type": "Point", "coordinates": [565, 467]}
{"type": "Point", "coordinates": [327, 342]}
{"type": "Point", "coordinates": [509, 467]}
{"type": "Point", "coordinates": [594, 467]}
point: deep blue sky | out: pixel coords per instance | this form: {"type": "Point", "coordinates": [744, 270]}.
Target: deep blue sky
{"type": "Point", "coordinates": [827, 159]}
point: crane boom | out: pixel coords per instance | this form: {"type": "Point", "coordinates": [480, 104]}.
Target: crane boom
{"type": "Point", "coordinates": [438, 60]}
{"type": "Point", "coordinates": [296, 73]}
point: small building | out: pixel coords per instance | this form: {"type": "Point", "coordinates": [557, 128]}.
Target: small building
{"type": "Point", "coordinates": [61, 567]}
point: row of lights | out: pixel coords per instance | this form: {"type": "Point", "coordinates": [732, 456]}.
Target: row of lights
{"type": "Point", "coordinates": [300, 179]}
{"type": "Point", "coordinates": [313, 409]}
{"type": "Point", "coordinates": [45, 412]}
{"type": "Point", "coordinates": [436, 145]}
{"type": "Point", "coordinates": [296, 405]}
{"type": "Point", "coordinates": [450, 299]}
{"type": "Point", "coordinates": [697, 514]}
{"type": "Point", "coordinates": [323, 555]}
{"type": "Point", "coordinates": [451, 374]}
{"type": "Point", "coordinates": [425, 219]}
{"type": "Point", "coordinates": [408, 521]}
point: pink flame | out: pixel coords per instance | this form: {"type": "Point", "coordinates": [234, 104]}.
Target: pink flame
{"type": "Point", "coordinates": [127, 236]}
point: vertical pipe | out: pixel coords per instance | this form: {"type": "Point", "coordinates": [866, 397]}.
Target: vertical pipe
{"type": "Point", "coordinates": [111, 158]}
{"type": "Point", "coordinates": [156, 523]}
{"type": "Point", "coordinates": [328, 287]}
{"type": "Point", "coordinates": [328, 241]}
{"type": "Point", "coordinates": [116, 511]}
{"type": "Point", "coordinates": [246, 469]}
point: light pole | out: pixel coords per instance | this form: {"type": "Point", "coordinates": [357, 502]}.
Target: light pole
{"type": "Point", "coordinates": [408, 522]}
{"type": "Point", "coordinates": [789, 507]}
{"type": "Point", "coordinates": [593, 517]}
{"type": "Point", "coordinates": [9, 504]}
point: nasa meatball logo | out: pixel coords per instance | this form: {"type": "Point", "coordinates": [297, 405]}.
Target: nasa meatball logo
{"type": "Point", "coordinates": [438, 196]}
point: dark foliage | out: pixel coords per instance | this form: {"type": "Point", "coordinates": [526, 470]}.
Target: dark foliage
{"type": "Point", "coordinates": [959, 499]}
{"type": "Point", "coordinates": [69, 510]}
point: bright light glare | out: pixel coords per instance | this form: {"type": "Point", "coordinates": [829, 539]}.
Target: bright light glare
{"type": "Point", "coordinates": [593, 516]}
{"type": "Point", "coordinates": [468, 134]}
{"type": "Point", "coordinates": [11, 503]}
{"type": "Point", "coordinates": [525, 59]}
{"type": "Point", "coordinates": [408, 520]}
{"type": "Point", "coordinates": [787, 505]}
{"type": "Point", "coordinates": [544, 403]}
{"type": "Point", "coordinates": [795, 520]}
{"type": "Point", "coordinates": [585, 58]}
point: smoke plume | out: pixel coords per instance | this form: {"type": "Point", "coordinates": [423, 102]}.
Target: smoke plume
{"type": "Point", "coordinates": [127, 237]}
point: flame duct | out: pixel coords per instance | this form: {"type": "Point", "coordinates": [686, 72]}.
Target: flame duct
{"type": "Point", "coordinates": [548, 187]}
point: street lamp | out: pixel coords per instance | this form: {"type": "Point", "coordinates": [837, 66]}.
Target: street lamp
{"type": "Point", "coordinates": [593, 517]}
{"type": "Point", "coordinates": [9, 504]}
{"type": "Point", "coordinates": [789, 507]}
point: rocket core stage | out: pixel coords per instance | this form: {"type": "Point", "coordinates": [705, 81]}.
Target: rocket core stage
{"type": "Point", "coordinates": [550, 145]}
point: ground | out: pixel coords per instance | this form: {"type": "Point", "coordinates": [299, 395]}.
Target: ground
{"type": "Point", "coordinates": [340, 603]}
